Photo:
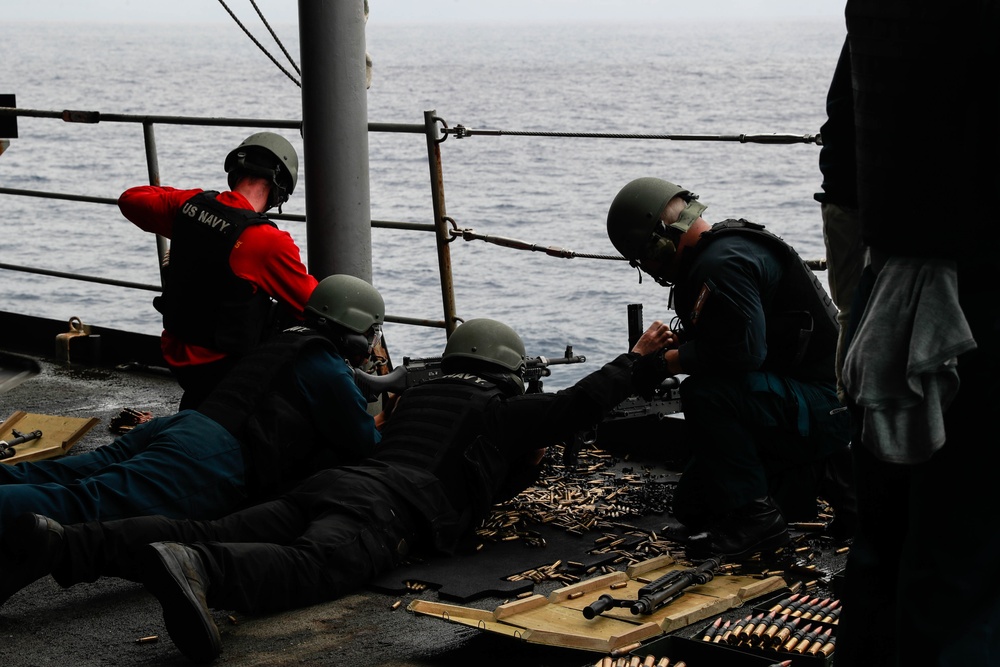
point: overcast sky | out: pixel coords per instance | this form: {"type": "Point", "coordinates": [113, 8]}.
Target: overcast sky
{"type": "Point", "coordinates": [391, 11]}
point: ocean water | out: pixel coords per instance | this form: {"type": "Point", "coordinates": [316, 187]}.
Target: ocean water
{"type": "Point", "coordinates": [717, 79]}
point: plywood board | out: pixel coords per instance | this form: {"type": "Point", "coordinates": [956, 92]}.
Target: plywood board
{"type": "Point", "coordinates": [558, 619]}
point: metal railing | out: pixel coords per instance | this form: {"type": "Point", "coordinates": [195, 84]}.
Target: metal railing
{"type": "Point", "coordinates": [430, 129]}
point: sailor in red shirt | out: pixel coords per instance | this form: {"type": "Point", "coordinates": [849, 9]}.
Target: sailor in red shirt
{"type": "Point", "coordinates": [232, 277]}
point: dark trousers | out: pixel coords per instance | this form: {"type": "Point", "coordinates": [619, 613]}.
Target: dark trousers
{"type": "Point", "coordinates": [331, 535]}
{"type": "Point", "coordinates": [919, 586]}
{"type": "Point", "coordinates": [182, 465]}
{"type": "Point", "coordinates": [756, 435]}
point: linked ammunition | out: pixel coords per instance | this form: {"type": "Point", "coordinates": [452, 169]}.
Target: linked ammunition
{"type": "Point", "coordinates": [796, 608]}
{"type": "Point", "coordinates": [751, 626]}
{"type": "Point", "coordinates": [783, 603]}
{"type": "Point", "coordinates": [819, 642]}
{"type": "Point", "coordinates": [796, 637]}
{"type": "Point", "coordinates": [734, 637]}
{"type": "Point", "coordinates": [827, 648]}
{"type": "Point", "coordinates": [767, 637]}
{"type": "Point", "coordinates": [807, 640]}
{"type": "Point", "coordinates": [726, 634]}
{"type": "Point", "coordinates": [720, 635]}
{"type": "Point", "coordinates": [815, 608]}
{"type": "Point", "coordinates": [819, 608]}
{"type": "Point", "coordinates": [754, 637]}
{"type": "Point", "coordinates": [782, 635]}
{"type": "Point", "coordinates": [710, 632]}
{"type": "Point", "coordinates": [831, 612]}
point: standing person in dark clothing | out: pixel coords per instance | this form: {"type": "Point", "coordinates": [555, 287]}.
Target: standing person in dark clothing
{"type": "Point", "coordinates": [231, 274]}
{"type": "Point", "coordinates": [287, 409]}
{"type": "Point", "coordinates": [846, 254]}
{"type": "Point", "coordinates": [923, 366]}
{"type": "Point", "coordinates": [452, 448]}
{"type": "Point", "coordinates": [756, 336]}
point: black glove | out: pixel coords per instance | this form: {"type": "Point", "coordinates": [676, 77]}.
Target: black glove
{"type": "Point", "coordinates": [649, 372]}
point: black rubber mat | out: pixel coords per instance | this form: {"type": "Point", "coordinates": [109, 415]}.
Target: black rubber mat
{"type": "Point", "coordinates": [482, 573]}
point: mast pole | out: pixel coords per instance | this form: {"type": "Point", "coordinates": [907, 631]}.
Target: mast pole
{"type": "Point", "coordinates": [335, 137]}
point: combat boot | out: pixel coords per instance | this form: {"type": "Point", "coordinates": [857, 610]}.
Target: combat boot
{"type": "Point", "coordinates": [758, 526]}
{"type": "Point", "coordinates": [32, 545]}
{"type": "Point", "coordinates": [176, 576]}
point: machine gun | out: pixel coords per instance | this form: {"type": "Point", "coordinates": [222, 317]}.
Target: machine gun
{"type": "Point", "coordinates": [660, 592]}
{"type": "Point", "coordinates": [647, 426]}
{"type": "Point", "coordinates": [417, 371]}
{"type": "Point", "coordinates": [7, 446]}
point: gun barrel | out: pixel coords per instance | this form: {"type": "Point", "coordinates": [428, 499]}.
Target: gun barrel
{"type": "Point", "coordinates": [540, 361]}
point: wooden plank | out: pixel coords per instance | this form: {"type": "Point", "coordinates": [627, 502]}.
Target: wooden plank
{"type": "Point", "coordinates": [601, 582]}
{"type": "Point", "coordinates": [590, 643]}
{"type": "Point", "coordinates": [641, 569]}
{"type": "Point", "coordinates": [475, 618]}
{"type": "Point", "coordinates": [59, 434]}
{"type": "Point", "coordinates": [519, 606]}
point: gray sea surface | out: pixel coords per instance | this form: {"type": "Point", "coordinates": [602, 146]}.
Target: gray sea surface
{"type": "Point", "coordinates": [716, 79]}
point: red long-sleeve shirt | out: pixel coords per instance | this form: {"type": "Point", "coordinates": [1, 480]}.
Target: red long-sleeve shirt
{"type": "Point", "coordinates": [264, 256]}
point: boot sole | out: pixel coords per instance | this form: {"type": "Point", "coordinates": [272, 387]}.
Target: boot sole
{"type": "Point", "coordinates": [188, 622]}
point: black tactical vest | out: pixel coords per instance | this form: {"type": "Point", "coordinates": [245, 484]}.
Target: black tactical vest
{"type": "Point", "coordinates": [802, 327]}
{"type": "Point", "coordinates": [434, 419]}
{"type": "Point", "coordinates": [203, 301]}
{"type": "Point", "coordinates": [259, 402]}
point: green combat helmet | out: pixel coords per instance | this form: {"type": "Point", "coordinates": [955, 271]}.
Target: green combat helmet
{"type": "Point", "coordinates": [491, 345]}
{"type": "Point", "coordinates": [347, 301]}
{"type": "Point", "coordinates": [268, 155]}
{"type": "Point", "coordinates": [355, 308]}
{"type": "Point", "coordinates": [634, 224]}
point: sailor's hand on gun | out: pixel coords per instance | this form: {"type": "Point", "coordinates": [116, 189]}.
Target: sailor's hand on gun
{"type": "Point", "coordinates": [656, 337]}
{"type": "Point", "coordinates": [388, 405]}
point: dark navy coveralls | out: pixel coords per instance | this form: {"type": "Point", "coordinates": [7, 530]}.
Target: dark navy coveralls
{"type": "Point", "coordinates": [758, 401]}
